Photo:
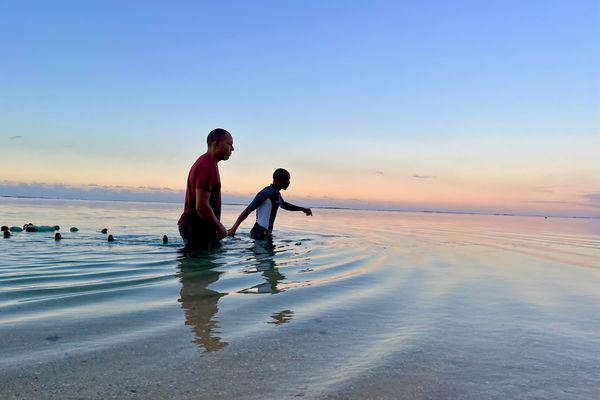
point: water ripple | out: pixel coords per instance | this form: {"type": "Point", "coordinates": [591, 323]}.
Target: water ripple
{"type": "Point", "coordinates": [343, 297]}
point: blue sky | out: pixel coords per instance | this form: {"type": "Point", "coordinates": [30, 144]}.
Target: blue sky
{"type": "Point", "coordinates": [453, 105]}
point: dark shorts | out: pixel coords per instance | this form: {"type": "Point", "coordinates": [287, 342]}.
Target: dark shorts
{"type": "Point", "coordinates": [197, 240]}
{"type": "Point", "coordinates": [258, 232]}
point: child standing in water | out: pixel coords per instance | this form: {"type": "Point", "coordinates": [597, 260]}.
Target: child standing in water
{"type": "Point", "coordinates": [266, 202]}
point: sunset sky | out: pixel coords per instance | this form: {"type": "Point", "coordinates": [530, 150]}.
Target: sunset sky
{"type": "Point", "coordinates": [447, 105]}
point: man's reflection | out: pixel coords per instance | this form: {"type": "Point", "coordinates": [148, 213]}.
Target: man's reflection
{"type": "Point", "coordinates": [262, 255]}
{"type": "Point", "coordinates": [199, 303]}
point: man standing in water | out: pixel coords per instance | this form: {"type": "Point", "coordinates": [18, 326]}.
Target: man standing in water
{"type": "Point", "coordinates": [200, 225]}
{"type": "Point", "coordinates": [266, 203]}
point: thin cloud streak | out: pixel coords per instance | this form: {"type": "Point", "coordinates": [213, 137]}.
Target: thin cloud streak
{"type": "Point", "coordinates": [592, 199]}
{"type": "Point", "coordinates": [90, 191]}
{"type": "Point", "coordinates": [544, 189]}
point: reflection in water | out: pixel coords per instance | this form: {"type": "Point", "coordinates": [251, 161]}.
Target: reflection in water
{"type": "Point", "coordinates": [413, 305]}
{"type": "Point", "coordinates": [282, 317]}
{"type": "Point", "coordinates": [262, 254]}
{"type": "Point", "coordinates": [198, 301]}
{"type": "Point", "coordinates": [200, 304]}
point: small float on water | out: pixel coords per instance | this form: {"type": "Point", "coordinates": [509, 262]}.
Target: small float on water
{"type": "Point", "coordinates": [40, 228]}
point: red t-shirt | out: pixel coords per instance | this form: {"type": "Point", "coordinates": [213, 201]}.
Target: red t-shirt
{"type": "Point", "coordinates": [203, 175]}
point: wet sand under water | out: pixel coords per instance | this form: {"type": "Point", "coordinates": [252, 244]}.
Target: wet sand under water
{"type": "Point", "coordinates": [343, 305]}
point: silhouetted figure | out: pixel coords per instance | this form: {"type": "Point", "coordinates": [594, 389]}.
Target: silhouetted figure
{"type": "Point", "coordinates": [111, 238]}
{"type": "Point", "coordinates": [57, 236]}
{"type": "Point", "coordinates": [4, 228]}
{"type": "Point", "coordinates": [6, 234]}
{"type": "Point", "coordinates": [266, 202]}
{"type": "Point", "coordinates": [74, 229]}
{"type": "Point", "coordinates": [165, 239]}
{"type": "Point", "coordinates": [199, 225]}
{"type": "Point", "coordinates": [104, 230]}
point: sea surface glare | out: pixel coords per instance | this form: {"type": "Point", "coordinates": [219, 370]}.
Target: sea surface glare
{"type": "Point", "coordinates": [342, 305]}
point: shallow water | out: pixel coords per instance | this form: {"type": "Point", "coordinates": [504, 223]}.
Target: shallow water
{"type": "Point", "coordinates": [344, 304]}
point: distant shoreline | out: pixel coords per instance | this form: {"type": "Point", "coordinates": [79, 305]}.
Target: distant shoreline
{"type": "Point", "coordinates": [497, 214]}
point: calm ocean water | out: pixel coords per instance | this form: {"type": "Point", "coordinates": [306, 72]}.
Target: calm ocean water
{"type": "Point", "coordinates": [344, 304]}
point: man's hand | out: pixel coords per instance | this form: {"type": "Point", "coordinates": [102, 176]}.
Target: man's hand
{"type": "Point", "coordinates": [307, 211]}
{"type": "Point", "coordinates": [231, 232]}
{"type": "Point", "coordinates": [221, 231]}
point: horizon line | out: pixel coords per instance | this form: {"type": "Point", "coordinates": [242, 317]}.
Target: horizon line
{"type": "Point", "coordinates": [422, 211]}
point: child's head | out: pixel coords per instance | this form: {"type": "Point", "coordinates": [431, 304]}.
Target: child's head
{"type": "Point", "coordinates": [281, 178]}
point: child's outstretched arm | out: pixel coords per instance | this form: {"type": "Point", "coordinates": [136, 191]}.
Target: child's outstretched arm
{"type": "Point", "coordinates": [240, 219]}
{"type": "Point", "coordinates": [291, 207]}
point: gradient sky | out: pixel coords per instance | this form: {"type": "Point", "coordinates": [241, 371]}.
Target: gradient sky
{"type": "Point", "coordinates": [454, 105]}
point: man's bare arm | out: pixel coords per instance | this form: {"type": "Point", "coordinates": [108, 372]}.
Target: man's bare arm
{"type": "Point", "coordinates": [206, 212]}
